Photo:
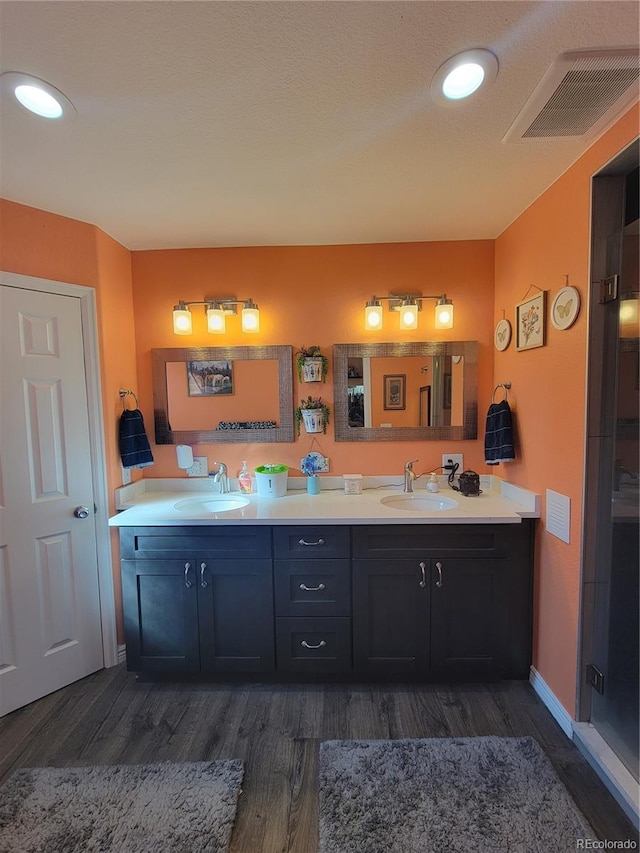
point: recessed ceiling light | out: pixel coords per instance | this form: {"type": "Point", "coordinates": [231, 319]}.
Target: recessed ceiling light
{"type": "Point", "coordinates": [462, 75]}
{"type": "Point", "coordinates": [36, 95]}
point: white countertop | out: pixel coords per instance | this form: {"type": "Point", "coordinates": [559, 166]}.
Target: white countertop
{"type": "Point", "coordinates": [152, 502]}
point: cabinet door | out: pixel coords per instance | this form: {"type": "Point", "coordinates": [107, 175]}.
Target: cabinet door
{"type": "Point", "coordinates": [467, 617]}
{"type": "Point", "coordinates": [390, 616]}
{"type": "Point", "coordinates": [160, 615]}
{"type": "Point", "coordinates": [235, 609]}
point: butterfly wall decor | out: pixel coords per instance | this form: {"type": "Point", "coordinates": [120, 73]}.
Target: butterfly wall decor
{"type": "Point", "coordinates": [565, 308]}
{"type": "Point", "coordinates": [502, 336]}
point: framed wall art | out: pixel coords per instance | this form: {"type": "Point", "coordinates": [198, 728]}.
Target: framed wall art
{"type": "Point", "coordinates": [209, 378]}
{"type": "Point", "coordinates": [530, 322]}
{"type": "Point", "coordinates": [502, 336]}
{"type": "Point", "coordinates": [565, 307]}
{"type": "Point", "coordinates": [394, 390]}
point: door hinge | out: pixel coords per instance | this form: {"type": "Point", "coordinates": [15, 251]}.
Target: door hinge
{"type": "Point", "coordinates": [595, 678]}
{"type": "Point", "coordinates": [609, 289]}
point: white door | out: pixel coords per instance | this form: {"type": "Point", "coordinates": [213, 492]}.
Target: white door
{"type": "Point", "coordinates": [50, 626]}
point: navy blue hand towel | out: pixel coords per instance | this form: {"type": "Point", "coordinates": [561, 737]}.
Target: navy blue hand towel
{"type": "Point", "coordinates": [135, 450]}
{"type": "Point", "coordinates": [498, 439]}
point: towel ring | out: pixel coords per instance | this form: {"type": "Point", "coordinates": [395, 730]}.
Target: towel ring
{"type": "Point", "coordinates": [124, 393]}
{"type": "Point", "coordinates": [504, 385]}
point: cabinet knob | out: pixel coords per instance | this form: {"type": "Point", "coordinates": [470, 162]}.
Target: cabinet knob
{"type": "Point", "coordinates": [306, 645]}
{"type": "Point", "coordinates": [423, 569]}
{"type": "Point", "coordinates": [439, 581]}
{"type": "Point", "coordinates": [318, 588]}
{"type": "Point", "coordinates": [304, 542]}
{"type": "Point", "coordinates": [203, 583]}
{"type": "Point", "coordinates": [187, 582]}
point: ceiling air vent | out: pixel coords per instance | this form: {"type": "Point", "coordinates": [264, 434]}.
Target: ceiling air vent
{"type": "Point", "coordinates": [579, 96]}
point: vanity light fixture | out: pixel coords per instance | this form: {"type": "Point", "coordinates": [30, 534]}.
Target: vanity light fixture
{"type": "Point", "coordinates": [217, 309]}
{"type": "Point", "coordinates": [408, 305]}
{"type": "Point", "coordinates": [462, 75]}
{"type": "Point", "coordinates": [37, 95]}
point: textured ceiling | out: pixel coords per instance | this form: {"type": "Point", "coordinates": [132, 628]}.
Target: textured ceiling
{"type": "Point", "coordinates": [286, 123]}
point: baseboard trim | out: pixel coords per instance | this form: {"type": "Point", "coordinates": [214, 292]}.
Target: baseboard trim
{"type": "Point", "coordinates": [122, 653]}
{"type": "Point", "coordinates": [615, 776]}
{"type": "Point", "coordinates": [621, 784]}
{"type": "Point", "coordinates": [552, 703]}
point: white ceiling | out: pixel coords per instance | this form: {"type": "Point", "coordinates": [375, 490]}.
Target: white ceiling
{"type": "Point", "coordinates": [286, 123]}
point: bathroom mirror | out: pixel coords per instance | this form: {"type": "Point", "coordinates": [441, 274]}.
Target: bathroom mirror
{"type": "Point", "coordinates": [406, 391]}
{"type": "Point", "coordinates": [211, 395]}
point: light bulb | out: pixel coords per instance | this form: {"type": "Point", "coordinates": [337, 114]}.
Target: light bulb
{"type": "Point", "coordinates": [38, 101]}
{"type": "Point", "coordinates": [182, 320]}
{"type": "Point", "coordinates": [444, 315]}
{"type": "Point", "coordinates": [463, 81]}
{"type": "Point", "coordinates": [409, 315]}
{"type": "Point", "coordinates": [629, 311]}
{"type": "Point", "coordinates": [373, 316]}
{"type": "Point", "coordinates": [250, 318]}
{"type": "Point", "coordinates": [216, 321]}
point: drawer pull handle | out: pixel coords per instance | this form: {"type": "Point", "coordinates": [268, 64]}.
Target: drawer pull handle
{"type": "Point", "coordinates": [203, 582]}
{"type": "Point", "coordinates": [306, 645]}
{"type": "Point", "coordinates": [304, 542]}
{"type": "Point", "coordinates": [423, 582]}
{"type": "Point", "coordinates": [187, 582]}
{"type": "Point", "coordinates": [439, 581]}
{"type": "Point", "coordinates": [318, 588]}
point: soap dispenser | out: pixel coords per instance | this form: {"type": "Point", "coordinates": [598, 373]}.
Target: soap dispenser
{"type": "Point", "coordinates": [244, 479]}
{"type": "Point", "coordinates": [432, 483]}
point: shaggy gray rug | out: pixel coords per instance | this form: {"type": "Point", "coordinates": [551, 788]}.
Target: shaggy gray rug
{"type": "Point", "coordinates": [147, 808]}
{"type": "Point", "coordinates": [481, 794]}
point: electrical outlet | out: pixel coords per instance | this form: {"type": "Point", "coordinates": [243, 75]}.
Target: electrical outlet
{"type": "Point", "coordinates": [199, 467]}
{"type": "Point", "coordinates": [454, 457]}
{"type": "Point", "coordinates": [126, 476]}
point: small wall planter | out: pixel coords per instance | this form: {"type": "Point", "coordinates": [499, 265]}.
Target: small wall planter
{"type": "Point", "coordinates": [313, 420]}
{"type": "Point", "coordinates": [311, 365]}
{"type": "Point", "coordinates": [314, 414]}
{"type": "Point", "coordinates": [312, 370]}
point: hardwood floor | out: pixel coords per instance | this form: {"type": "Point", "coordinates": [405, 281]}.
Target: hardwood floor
{"type": "Point", "coordinates": [109, 718]}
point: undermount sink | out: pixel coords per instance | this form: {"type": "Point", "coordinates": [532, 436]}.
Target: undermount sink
{"type": "Point", "coordinates": [211, 503]}
{"type": "Point", "coordinates": [419, 503]}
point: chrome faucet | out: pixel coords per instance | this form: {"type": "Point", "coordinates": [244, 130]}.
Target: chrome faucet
{"type": "Point", "coordinates": [409, 475]}
{"type": "Point", "coordinates": [220, 477]}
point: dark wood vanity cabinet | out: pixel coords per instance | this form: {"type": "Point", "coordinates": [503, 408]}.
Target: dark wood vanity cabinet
{"type": "Point", "coordinates": [208, 610]}
{"type": "Point", "coordinates": [443, 602]}
{"type": "Point", "coordinates": [430, 602]}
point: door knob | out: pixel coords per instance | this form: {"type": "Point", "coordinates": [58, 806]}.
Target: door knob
{"type": "Point", "coordinates": [81, 511]}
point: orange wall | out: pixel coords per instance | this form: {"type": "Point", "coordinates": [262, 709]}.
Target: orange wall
{"type": "Point", "coordinates": [547, 242]}
{"type": "Point", "coordinates": [316, 295]}
{"type": "Point", "coordinates": [45, 245]}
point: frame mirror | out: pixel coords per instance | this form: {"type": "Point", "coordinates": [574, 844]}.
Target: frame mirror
{"type": "Point", "coordinates": [406, 391]}
{"type": "Point", "coordinates": [211, 395]}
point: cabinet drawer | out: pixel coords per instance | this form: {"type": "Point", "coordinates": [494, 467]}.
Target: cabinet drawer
{"type": "Point", "coordinates": [432, 540]}
{"type": "Point", "coordinates": [313, 587]}
{"type": "Point", "coordinates": [230, 541]}
{"type": "Point", "coordinates": [311, 543]}
{"type": "Point", "coordinates": [313, 645]}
